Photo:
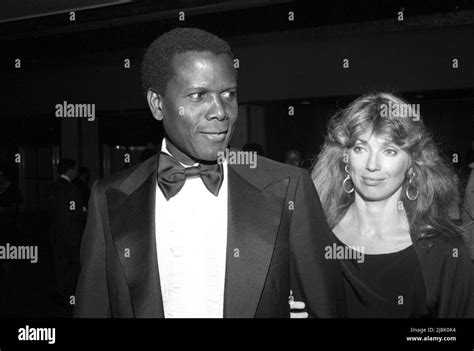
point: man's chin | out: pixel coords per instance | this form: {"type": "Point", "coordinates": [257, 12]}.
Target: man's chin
{"type": "Point", "coordinates": [212, 154]}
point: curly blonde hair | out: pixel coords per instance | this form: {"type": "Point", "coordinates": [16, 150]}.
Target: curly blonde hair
{"type": "Point", "coordinates": [436, 182]}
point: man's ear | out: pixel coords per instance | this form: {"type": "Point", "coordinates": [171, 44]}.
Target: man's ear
{"type": "Point", "coordinates": [155, 102]}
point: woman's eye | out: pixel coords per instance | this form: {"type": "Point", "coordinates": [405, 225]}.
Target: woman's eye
{"type": "Point", "coordinates": [358, 149]}
{"type": "Point", "coordinates": [197, 96]}
{"type": "Point", "coordinates": [391, 152]}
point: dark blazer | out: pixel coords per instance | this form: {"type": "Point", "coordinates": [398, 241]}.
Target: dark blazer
{"type": "Point", "coordinates": [275, 220]}
{"type": "Point", "coordinates": [448, 274]}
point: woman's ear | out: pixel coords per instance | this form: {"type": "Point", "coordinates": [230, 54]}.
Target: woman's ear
{"type": "Point", "coordinates": [155, 102]}
{"type": "Point", "coordinates": [411, 166]}
{"type": "Point", "coordinates": [345, 157]}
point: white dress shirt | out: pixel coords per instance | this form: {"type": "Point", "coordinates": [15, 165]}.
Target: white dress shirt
{"type": "Point", "coordinates": [191, 242]}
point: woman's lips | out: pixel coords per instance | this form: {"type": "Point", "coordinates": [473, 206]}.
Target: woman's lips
{"type": "Point", "coordinates": [372, 181]}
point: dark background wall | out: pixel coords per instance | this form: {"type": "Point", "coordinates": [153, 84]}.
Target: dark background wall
{"type": "Point", "coordinates": [273, 66]}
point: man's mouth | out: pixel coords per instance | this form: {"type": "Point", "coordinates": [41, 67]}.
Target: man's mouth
{"type": "Point", "coordinates": [215, 136]}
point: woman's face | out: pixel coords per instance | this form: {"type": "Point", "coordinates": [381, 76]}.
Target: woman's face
{"type": "Point", "coordinates": [377, 167]}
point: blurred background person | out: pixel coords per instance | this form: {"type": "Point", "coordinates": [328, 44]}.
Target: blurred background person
{"type": "Point", "coordinates": [386, 193]}
{"type": "Point", "coordinates": [10, 201]}
{"type": "Point", "coordinates": [294, 158]}
{"type": "Point", "coordinates": [67, 222]}
{"type": "Point", "coordinates": [82, 181]}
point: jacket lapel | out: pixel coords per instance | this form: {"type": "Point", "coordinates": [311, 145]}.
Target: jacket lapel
{"type": "Point", "coordinates": [132, 217]}
{"type": "Point", "coordinates": [254, 214]}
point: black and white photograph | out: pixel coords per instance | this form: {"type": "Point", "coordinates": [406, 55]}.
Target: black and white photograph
{"type": "Point", "coordinates": [200, 159]}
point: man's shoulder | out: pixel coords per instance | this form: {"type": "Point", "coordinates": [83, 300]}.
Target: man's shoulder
{"type": "Point", "coordinates": [116, 179]}
{"type": "Point", "coordinates": [265, 170]}
{"type": "Point", "coordinates": [270, 166]}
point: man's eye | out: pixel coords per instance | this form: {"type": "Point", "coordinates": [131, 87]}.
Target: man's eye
{"type": "Point", "coordinates": [197, 96]}
{"type": "Point", "coordinates": [229, 95]}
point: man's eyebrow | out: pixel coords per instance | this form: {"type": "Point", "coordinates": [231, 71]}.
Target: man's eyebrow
{"type": "Point", "coordinates": [200, 87]}
{"type": "Point", "coordinates": [196, 87]}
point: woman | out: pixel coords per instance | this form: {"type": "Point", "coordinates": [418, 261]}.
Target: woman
{"type": "Point", "coordinates": [386, 193]}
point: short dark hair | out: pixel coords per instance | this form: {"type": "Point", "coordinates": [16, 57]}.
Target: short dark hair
{"type": "Point", "coordinates": [157, 68]}
{"type": "Point", "coordinates": [65, 164]}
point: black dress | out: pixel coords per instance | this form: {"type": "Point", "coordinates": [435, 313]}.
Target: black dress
{"type": "Point", "coordinates": [384, 285]}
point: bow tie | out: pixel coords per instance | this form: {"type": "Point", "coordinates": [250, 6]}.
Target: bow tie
{"type": "Point", "coordinates": [172, 175]}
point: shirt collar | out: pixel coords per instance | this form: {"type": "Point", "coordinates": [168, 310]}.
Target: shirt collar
{"type": "Point", "coordinates": [65, 177]}
{"type": "Point", "coordinates": [165, 150]}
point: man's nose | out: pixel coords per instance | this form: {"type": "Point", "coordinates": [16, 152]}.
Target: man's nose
{"type": "Point", "coordinates": [216, 109]}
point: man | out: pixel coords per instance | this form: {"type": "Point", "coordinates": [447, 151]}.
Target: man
{"type": "Point", "coordinates": [67, 221]}
{"type": "Point", "coordinates": [182, 235]}
{"type": "Point", "coordinates": [82, 181]}
{"type": "Point", "coordinates": [294, 158]}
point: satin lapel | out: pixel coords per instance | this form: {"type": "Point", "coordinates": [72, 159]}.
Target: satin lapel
{"type": "Point", "coordinates": [253, 219]}
{"type": "Point", "coordinates": [132, 220]}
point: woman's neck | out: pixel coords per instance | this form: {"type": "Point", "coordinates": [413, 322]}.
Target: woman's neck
{"type": "Point", "coordinates": [380, 219]}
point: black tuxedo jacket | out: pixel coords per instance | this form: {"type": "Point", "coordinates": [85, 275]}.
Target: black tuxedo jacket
{"type": "Point", "coordinates": [275, 220]}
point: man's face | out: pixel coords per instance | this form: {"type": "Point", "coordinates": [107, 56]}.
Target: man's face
{"type": "Point", "coordinates": [293, 158]}
{"type": "Point", "coordinates": [199, 108]}
{"type": "Point", "coordinates": [73, 172]}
